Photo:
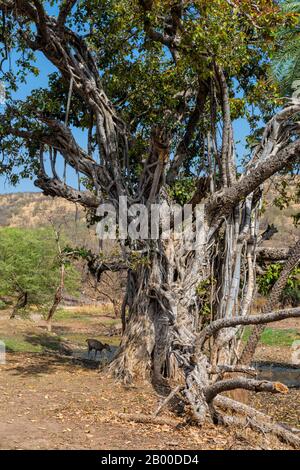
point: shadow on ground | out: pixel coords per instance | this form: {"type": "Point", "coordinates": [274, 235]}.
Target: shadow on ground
{"type": "Point", "coordinates": [54, 356]}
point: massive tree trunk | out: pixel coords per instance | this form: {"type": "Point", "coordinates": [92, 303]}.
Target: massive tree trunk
{"type": "Point", "coordinates": [174, 292]}
{"type": "Point", "coordinates": [163, 311]}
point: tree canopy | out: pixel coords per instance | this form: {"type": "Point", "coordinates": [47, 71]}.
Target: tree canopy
{"type": "Point", "coordinates": [161, 64]}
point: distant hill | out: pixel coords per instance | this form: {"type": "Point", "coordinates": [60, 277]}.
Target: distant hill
{"type": "Point", "coordinates": [35, 210]}
{"type": "Point", "coordinates": [30, 210]}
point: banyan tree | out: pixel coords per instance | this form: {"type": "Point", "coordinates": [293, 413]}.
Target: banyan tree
{"type": "Point", "coordinates": [146, 100]}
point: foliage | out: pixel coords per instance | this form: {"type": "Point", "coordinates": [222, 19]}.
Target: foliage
{"type": "Point", "coordinates": [141, 78]}
{"type": "Point", "coordinates": [29, 263]}
{"type": "Point", "coordinates": [267, 280]}
{"type": "Point", "coordinates": [203, 292]}
{"type": "Point", "coordinates": [182, 190]}
{"type": "Point", "coordinates": [286, 61]}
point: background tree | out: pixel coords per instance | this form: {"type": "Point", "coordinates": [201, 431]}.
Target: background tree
{"type": "Point", "coordinates": [30, 269]}
{"type": "Point", "coordinates": [156, 86]}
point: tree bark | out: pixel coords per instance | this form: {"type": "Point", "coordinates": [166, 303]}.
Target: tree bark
{"type": "Point", "coordinates": [21, 303]}
{"type": "Point", "coordinates": [57, 298]}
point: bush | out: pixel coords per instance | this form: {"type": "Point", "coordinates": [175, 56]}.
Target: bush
{"type": "Point", "coordinates": [291, 293]}
{"type": "Point", "coordinates": [29, 263]}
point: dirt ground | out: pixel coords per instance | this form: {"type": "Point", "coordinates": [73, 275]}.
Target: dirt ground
{"type": "Point", "coordinates": [49, 402]}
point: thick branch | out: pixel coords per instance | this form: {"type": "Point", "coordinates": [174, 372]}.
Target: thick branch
{"type": "Point", "coordinates": [222, 203]}
{"type": "Point", "coordinates": [182, 152]}
{"type": "Point", "coordinates": [246, 384]}
{"type": "Point", "coordinates": [55, 187]}
{"type": "Point", "coordinates": [274, 153]}
{"type": "Point", "coordinates": [221, 369]}
{"type": "Point", "coordinates": [64, 11]}
{"type": "Point", "coordinates": [217, 325]}
{"type": "Point", "coordinates": [272, 254]}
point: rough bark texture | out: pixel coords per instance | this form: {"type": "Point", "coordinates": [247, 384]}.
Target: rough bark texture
{"type": "Point", "coordinates": [57, 298]}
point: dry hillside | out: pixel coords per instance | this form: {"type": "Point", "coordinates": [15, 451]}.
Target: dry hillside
{"type": "Point", "coordinates": [35, 210]}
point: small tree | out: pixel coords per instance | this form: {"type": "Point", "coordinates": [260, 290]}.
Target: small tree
{"type": "Point", "coordinates": [29, 267]}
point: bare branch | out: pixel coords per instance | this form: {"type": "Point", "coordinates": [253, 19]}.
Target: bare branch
{"type": "Point", "coordinates": [227, 161]}
{"type": "Point", "coordinates": [167, 399]}
{"type": "Point", "coordinates": [272, 155]}
{"type": "Point", "coordinates": [282, 432]}
{"type": "Point", "coordinates": [55, 187]}
{"type": "Point", "coordinates": [217, 325]}
{"type": "Point", "coordinates": [222, 202]}
{"type": "Point", "coordinates": [221, 369]}
{"type": "Point", "coordinates": [272, 254]}
{"type": "Point", "coordinates": [277, 430]}
{"type": "Point", "coordinates": [65, 9]}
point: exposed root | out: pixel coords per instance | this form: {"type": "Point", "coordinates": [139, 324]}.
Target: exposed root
{"type": "Point", "coordinates": [167, 400]}
{"type": "Point", "coordinates": [256, 420]}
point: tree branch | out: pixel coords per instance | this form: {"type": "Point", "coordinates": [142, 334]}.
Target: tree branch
{"type": "Point", "coordinates": [217, 325]}
{"type": "Point", "coordinates": [65, 8]}
{"type": "Point", "coordinates": [221, 369]}
{"type": "Point", "coordinates": [272, 254]}
{"type": "Point", "coordinates": [182, 151]}
{"type": "Point", "coordinates": [55, 187]}
{"type": "Point", "coordinates": [282, 432]}
{"type": "Point", "coordinates": [246, 384]}
{"type": "Point", "coordinates": [272, 155]}
{"type": "Point", "coordinates": [222, 203]}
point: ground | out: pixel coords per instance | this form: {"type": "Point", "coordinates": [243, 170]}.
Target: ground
{"type": "Point", "coordinates": [52, 402]}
